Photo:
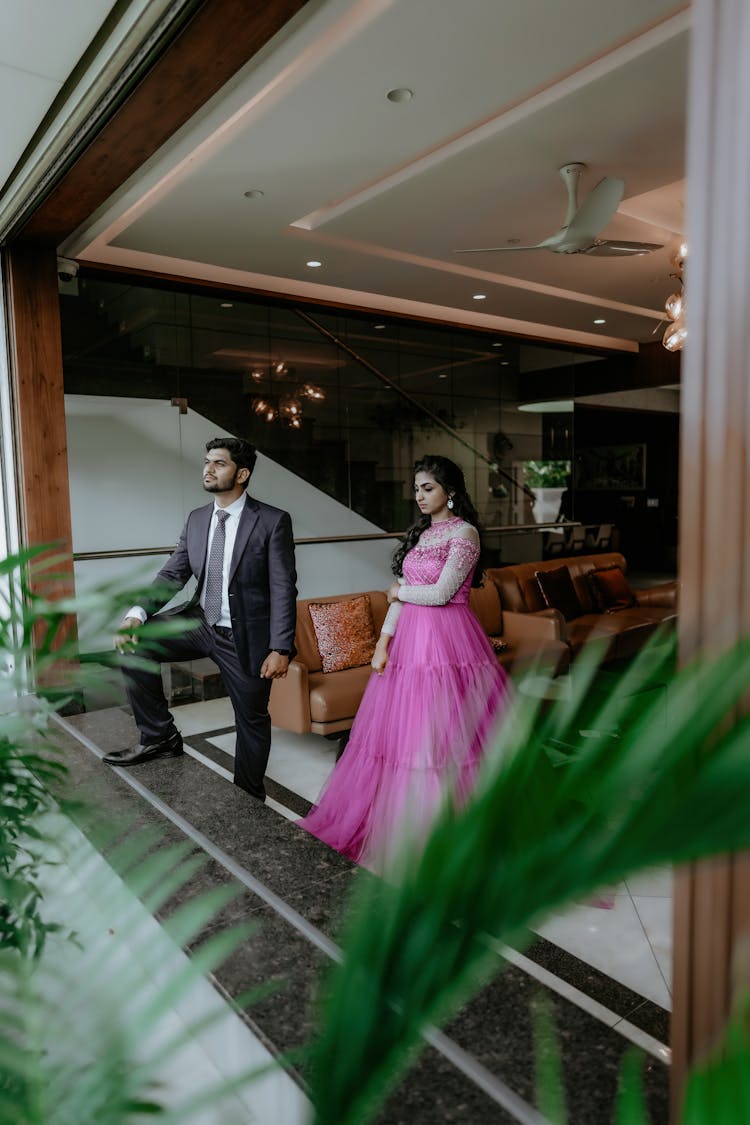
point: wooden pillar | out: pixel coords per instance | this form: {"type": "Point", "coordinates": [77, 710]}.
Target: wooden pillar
{"type": "Point", "coordinates": [39, 408]}
{"type": "Point", "coordinates": [37, 375]}
{"type": "Point", "coordinates": [712, 902]}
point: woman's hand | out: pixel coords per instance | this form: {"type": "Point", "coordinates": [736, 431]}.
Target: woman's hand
{"type": "Point", "coordinates": [393, 592]}
{"type": "Point", "coordinates": [380, 656]}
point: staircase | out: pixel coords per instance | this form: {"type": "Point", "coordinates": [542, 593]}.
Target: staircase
{"type": "Point", "coordinates": [97, 346]}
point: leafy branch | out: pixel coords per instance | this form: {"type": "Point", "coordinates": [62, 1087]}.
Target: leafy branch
{"type": "Point", "coordinates": [554, 817]}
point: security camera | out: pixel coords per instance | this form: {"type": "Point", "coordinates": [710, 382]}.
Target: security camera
{"type": "Point", "coordinates": [67, 269]}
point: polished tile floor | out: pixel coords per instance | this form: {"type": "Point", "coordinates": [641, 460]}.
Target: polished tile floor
{"type": "Point", "coordinates": [631, 942]}
{"type": "Point", "coordinates": [128, 958]}
{"type": "Point", "coordinates": [295, 888]}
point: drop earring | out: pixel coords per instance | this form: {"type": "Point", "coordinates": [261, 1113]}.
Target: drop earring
{"type": "Point", "coordinates": [450, 503]}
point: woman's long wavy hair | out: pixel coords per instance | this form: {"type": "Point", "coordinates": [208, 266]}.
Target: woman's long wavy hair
{"type": "Point", "coordinates": [450, 477]}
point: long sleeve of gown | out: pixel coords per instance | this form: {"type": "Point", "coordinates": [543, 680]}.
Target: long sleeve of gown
{"type": "Point", "coordinates": [391, 619]}
{"type": "Point", "coordinates": [463, 554]}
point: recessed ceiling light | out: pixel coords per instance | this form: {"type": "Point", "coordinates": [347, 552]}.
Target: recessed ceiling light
{"type": "Point", "coordinates": [443, 375]}
{"type": "Point", "coordinates": [378, 327]}
{"type": "Point", "coordinates": [479, 297]}
{"type": "Point", "coordinates": [255, 193]}
{"type": "Point", "coordinates": [497, 344]}
{"type": "Point", "coordinates": [504, 363]}
{"type": "Point", "coordinates": [400, 94]}
{"type": "Point", "coordinates": [600, 320]}
{"type": "Point", "coordinates": [227, 305]}
{"type": "Point", "coordinates": [313, 264]}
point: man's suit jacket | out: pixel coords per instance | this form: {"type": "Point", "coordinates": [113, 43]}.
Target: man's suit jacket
{"type": "Point", "coordinates": [262, 577]}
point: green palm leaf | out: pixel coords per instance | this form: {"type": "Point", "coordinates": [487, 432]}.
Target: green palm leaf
{"type": "Point", "coordinates": [667, 788]}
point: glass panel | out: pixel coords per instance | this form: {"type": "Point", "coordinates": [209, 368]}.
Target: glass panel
{"type": "Point", "coordinates": [346, 401]}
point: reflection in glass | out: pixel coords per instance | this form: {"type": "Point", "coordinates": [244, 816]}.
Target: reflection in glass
{"type": "Point", "coordinates": [344, 400]}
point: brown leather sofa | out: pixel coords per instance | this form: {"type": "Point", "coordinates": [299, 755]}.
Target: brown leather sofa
{"type": "Point", "coordinates": [531, 639]}
{"type": "Point", "coordinates": [310, 700]}
{"type": "Point", "coordinates": [625, 630]}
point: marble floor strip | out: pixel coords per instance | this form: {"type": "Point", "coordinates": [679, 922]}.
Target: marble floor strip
{"type": "Point", "coordinates": [214, 749]}
{"type": "Point", "coordinates": [222, 771]}
{"type": "Point", "coordinates": [81, 890]}
{"type": "Point", "coordinates": [636, 985]}
{"type": "Point", "coordinates": [641, 1038]}
{"type": "Point", "coordinates": [235, 869]}
{"type": "Point", "coordinates": [490, 1084]}
{"type": "Point", "coordinates": [630, 944]}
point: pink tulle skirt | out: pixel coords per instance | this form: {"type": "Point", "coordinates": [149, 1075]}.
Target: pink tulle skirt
{"type": "Point", "coordinates": [420, 733]}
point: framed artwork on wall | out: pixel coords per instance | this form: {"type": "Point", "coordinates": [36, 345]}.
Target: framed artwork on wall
{"type": "Point", "coordinates": [614, 468]}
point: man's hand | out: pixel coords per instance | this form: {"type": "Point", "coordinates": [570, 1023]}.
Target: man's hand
{"type": "Point", "coordinates": [126, 639]}
{"type": "Point", "coordinates": [274, 666]}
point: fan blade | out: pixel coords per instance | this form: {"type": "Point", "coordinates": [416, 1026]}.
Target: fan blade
{"type": "Point", "coordinates": [562, 243]}
{"type": "Point", "coordinates": [494, 249]}
{"type": "Point", "coordinates": [596, 211]}
{"type": "Point", "coordinates": [612, 248]}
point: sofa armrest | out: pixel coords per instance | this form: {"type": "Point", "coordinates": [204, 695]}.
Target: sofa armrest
{"type": "Point", "coordinates": [664, 595]}
{"type": "Point", "coordinates": [527, 629]}
{"type": "Point", "coordinates": [289, 704]}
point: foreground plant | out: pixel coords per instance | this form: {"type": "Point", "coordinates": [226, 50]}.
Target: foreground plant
{"type": "Point", "coordinates": [40, 674]}
{"type": "Point", "coordinates": [88, 1028]}
{"type": "Point", "coordinates": [85, 1032]}
{"type": "Point", "coordinates": [557, 815]}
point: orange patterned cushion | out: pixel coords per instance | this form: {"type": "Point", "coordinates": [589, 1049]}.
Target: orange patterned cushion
{"type": "Point", "coordinates": [344, 631]}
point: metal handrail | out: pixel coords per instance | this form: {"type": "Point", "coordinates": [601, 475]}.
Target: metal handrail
{"type": "Point", "coordinates": [426, 410]}
{"type": "Point", "coordinates": [505, 529]}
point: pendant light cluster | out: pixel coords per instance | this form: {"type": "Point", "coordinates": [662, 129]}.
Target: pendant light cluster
{"type": "Point", "coordinates": [285, 408]}
{"type": "Point", "coordinates": [675, 333]}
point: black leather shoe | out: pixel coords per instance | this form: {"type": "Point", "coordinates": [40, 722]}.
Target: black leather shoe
{"type": "Point", "coordinates": [165, 748]}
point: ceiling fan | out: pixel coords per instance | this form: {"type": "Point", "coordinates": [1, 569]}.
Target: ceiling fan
{"type": "Point", "coordinates": [579, 233]}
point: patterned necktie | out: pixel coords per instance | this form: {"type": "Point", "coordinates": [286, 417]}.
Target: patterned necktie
{"type": "Point", "coordinates": [215, 570]}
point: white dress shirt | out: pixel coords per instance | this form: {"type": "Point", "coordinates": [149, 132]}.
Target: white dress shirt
{"type": "Point", "coordinates": [234, 511]}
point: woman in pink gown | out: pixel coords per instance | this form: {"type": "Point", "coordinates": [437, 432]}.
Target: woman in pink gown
{"type": "Point", "coordinates": [426, 716]}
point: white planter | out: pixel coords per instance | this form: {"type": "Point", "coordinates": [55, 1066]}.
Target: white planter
{"type": "Point", "coordinates": [547, 504]}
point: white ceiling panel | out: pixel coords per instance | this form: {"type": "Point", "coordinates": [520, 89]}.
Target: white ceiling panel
{"type": "Point", "coordinates": [40, 43]}
{"type": "Point", "coordinates": [47, 37]}
{"type": "Point", "coordinates": [383, 193]}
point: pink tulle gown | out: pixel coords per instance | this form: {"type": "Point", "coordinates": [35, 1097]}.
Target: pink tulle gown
{"type": "Point", "coordinates": [423, 724]}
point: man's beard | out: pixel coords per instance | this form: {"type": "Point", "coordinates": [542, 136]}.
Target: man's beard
{"type": "Point", "coordinates": [214, 486]}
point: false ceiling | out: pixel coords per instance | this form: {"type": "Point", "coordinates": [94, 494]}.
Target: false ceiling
{"type": "Point", "coordinates": [383, 192]}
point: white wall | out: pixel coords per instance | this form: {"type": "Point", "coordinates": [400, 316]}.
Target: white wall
{"type": "Point", "coordinates": [135, 472]}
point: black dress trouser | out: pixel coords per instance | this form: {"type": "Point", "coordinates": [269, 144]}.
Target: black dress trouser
{"type": "Point", "coordinates": [249, 696]}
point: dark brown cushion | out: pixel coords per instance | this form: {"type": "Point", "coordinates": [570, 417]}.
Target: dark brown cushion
{"type": "Point", "coordinates": [611, 589]}
{"type": "Point", "coordinates": [557, 590]}
{"type": "Point", "coordinates": [344, 631]}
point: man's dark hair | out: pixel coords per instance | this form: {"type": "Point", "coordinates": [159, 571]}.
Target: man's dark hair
{"type": "Point", "coordinates": [242, 452]}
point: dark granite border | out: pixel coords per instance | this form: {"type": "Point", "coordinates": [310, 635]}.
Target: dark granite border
{"type": "Point", "coordinates": [494, 1027]}
{"type": "Point", "coordinates": [643, 1013]}
{"type": "Point", "coordinates": [286, 797]}
{"type": "Point", "coordinates": [434, 1090]}
{"type": "Point", "coordinates": [623, 1001]}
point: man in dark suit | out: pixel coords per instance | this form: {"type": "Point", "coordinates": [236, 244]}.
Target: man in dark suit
{"type": "Point", "coordinates": [242, 614]}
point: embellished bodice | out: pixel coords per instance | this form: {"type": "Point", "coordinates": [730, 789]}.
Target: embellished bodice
{"type": "Point", "coordinates": [439, 568]}
{"type": "Point", "coordinates": [443, 559]}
